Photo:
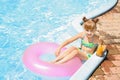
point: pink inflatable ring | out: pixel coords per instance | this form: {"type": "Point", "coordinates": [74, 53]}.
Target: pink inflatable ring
{"type": "Point", "coordinates": [31, 59]}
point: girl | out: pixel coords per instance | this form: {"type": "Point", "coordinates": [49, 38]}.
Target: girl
{"type": "Point", "coordinates": [89, 43]}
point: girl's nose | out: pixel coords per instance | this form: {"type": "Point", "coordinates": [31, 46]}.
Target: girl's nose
{"type": "Point", "coordinates": [89, 32]}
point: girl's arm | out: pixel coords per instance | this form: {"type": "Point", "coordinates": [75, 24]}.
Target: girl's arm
{"type": "Point", "coordinates": [67, 42]}
{"type": "Point", "coordinates": [103, 44]}
{"type": "Point", "coordinates": [101, 48]}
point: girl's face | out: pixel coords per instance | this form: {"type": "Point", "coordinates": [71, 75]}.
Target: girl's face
{"type": "Point", "coordinates": [90, 33]}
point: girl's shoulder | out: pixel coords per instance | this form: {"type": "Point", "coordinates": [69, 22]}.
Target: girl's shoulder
{"type": "Point", "coordinates": [97, 39]}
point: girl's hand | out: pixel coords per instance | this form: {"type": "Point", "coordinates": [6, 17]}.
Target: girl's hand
{"type": "Point", "coordinates": [57, 52]}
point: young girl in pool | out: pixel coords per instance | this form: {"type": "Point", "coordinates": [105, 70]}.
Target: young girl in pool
{"type": "Point", "coordinates": [89, 43]}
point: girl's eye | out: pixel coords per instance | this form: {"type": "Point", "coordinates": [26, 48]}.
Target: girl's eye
{"type": "Point", "coordinates": [91, 30]}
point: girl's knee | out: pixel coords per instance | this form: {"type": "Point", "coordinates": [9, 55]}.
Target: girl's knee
{"type": "Point", "coordinates": [75, 52]}
{"type": "Point", "coordinates": [74, 48]}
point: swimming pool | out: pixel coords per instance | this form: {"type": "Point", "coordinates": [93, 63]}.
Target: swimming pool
{"type": "Point", "coordinates": [24, 22]}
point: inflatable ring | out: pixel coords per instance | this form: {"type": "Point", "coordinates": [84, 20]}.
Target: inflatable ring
{"type": "Point", "coordinates": [31, 59]}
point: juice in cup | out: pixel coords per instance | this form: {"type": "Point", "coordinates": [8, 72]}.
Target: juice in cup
{"type": "Point", "coordinates": [100, 50]}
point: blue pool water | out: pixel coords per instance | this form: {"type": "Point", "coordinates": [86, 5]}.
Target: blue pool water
{"type": "Point", "coordinates": [24, 22]}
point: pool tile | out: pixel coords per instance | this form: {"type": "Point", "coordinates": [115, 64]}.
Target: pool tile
{"type": "Point", "coordinates": [118, 46]}
{"type": "Point", "coordinates": [105, 66]}
{"type": "Point", "coordinates": [107, 63]}
{"type": "Point", "coordinates": [119, 75]}
{"type": "Point", "coordinates": [116, 63]}
{"type": "Point", "coordinates": [113, 57]}
{"type": "Point", "coordinates": [113, 51]}
{"type": "Point", "coordinates": [115, 70]}
{"type": "Point", "coordinates": [110, 46]}
{"type": "Point", "coordinates": [106, 70]}
{"type": "Point", "coordinates": [116, 57]}
{"type": "Point", "coordinates": [100, 77]}
{"type": "Point", "coordinates": [112, 77]}
{"type": "Point", "coordinates": [92, 78]}
{"type": "Point", "coordinates": [99, 71]}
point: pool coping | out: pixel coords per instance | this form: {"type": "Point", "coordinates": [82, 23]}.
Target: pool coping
{"type": "Point", "coordinates": [86, 70]}
{"type": "Point", "coordinates": [77, 22]}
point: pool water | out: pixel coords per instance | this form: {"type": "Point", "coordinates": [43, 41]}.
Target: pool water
{"type": "Point", "coordinates": [24, 22]}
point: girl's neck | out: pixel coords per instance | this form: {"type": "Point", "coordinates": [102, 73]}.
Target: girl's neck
{"type": "Point", "coordinates": [90, 38]}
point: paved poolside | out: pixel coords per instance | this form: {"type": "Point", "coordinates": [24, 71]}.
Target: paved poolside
{"type": "Point", "coordinates": [109, 26]}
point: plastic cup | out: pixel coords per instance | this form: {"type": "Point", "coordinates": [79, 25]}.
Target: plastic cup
{"type": "Point", "coordinates": [100, 50]}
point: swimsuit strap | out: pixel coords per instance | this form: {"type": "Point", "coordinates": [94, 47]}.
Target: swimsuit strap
{"type": "Point", "coordinates": [88, 44]}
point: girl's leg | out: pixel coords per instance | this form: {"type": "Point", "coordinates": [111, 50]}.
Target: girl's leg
{"type": "Point", "coordinates": [74, 53]}
{"type": "Point", "coordinates": [82, 55]}
{"type": "Point", "coordinates": [68, 57]}
{"type": "Point", "coordinates": [65, 53]}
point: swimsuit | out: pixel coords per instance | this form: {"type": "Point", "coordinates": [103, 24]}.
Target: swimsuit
{"type": "Point", "coordinates": [88, 45]}
{"type": "Point", "coordinates": [87, 54]}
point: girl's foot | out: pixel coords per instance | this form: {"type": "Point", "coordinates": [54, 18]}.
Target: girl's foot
{"type": "Point", "coordinates": [54, 61]}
